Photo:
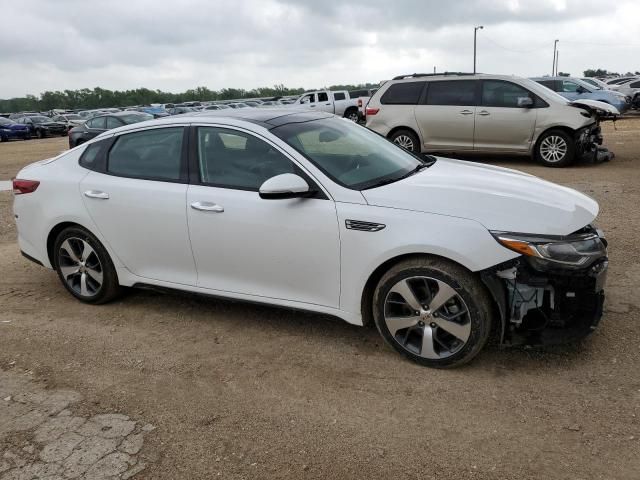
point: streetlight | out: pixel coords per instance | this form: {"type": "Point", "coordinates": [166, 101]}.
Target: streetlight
{"type": "Point", "coordinates": [475, 43]}
{"type": "Point", "coordinates": [553, 67]}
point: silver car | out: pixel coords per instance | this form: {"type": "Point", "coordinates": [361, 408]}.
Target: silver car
{"type": "Point", "coordinates": [464, 113]}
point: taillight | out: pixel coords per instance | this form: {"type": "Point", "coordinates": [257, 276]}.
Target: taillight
{"type": "Point", "coordinates": [24, 186]}
{"type": "Point", "coordinates": [371, 111]}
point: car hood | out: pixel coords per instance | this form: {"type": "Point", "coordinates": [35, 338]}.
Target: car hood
{"type": "Point", "coordinates": [595, 105]}
{"type": "Point", "coordinates": [498, 198]}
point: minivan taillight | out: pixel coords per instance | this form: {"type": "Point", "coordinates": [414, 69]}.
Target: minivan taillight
{"type": "Point", "coordinates": [24, 186]}
{"type": "Point", "coordinates": [371, 111]}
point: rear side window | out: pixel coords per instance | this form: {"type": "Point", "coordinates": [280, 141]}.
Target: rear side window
{"type": "Point", "coordinates": [91, 157]}
{"type": "Point", "coordinates": [453, 92]}
{"type": "Point", "coordinates": [496, 93]}
{"type": "Point", "coordinates": [98, 122]}
{"type": "Point", "coordinates": [405, 93]}
{"type": "Point", "coordinates": [151, 154]}
{"type": "Point", "coordinates": [338, 96]}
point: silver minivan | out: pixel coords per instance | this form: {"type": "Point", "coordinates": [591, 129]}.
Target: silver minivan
{"type": "Point", "coordinates": [463, 113]}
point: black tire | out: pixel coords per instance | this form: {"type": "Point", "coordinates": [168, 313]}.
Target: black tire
{"type": "Point", "coordinates": [40, 134]}
{"type": "Point", "coordinates": [4, 139]}
{"type": "Point", "coordinates": [464, 285]}
{"type": "Point", "coordinates": [406, 139]}
{"type": "Point", "coordinates": [544, 149]}
{"type": "Point", "coordinates": [108, 289]}
{"type": "Point", "coordinates": [27, 136]}
{"type": "Point", "coordinates": [352, 114]}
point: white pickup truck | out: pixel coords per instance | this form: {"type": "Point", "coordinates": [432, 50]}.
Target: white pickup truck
{"type": "Point", "coordinates": [338, 103]}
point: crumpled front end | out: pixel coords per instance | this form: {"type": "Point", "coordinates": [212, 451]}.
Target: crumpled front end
{"type": "Point", "coordinates": [545, 301]}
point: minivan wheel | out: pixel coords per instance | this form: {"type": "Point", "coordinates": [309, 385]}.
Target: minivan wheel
{"type": "Point", "coordinates": [432, 311]}
{"type": "Point", "coordinates": [84, 266]}
{"type": "Point", "coordinates": [555, 149]}
{"type": "Point", "coordinates": [406, 140]}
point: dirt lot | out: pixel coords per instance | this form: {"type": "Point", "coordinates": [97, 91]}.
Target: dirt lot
{"type": "Point", "coordinates": [240, 391]}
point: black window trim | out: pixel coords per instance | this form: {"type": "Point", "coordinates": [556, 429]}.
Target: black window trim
{"type": "Point", "coordinates": [194, 162]}
{"type": "Point", "coordinates": [538, 102]}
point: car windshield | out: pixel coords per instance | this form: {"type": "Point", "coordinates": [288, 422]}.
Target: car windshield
{"type": "Point", "coordinates": [40, 119]}
{"type": "Point", "coordinates": [350, 154]}
{"type": "Point", "coordinates": [135, 117]}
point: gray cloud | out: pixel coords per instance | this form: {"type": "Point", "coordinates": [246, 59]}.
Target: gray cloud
{"type": "Point", "coordinates": [249, 43]}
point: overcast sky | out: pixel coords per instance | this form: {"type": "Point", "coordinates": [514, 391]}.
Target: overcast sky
{"type": "Point", "coordinates": [180, 44]}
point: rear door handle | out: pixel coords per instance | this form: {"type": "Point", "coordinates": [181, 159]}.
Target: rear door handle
{"type": "Point", "coordinates": [207, 207]}
{"type": "Point", "coordinates": [96, 194]}
{"type": "Point", "coordinates": [484, 113]}
{"type": "Point", "coordinates": [466, 112]}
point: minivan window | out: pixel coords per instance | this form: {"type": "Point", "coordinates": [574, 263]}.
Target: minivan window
{"type": "Point", "coordinates": [497, 93]}
{"type": "Point", "coordinates": [150, 154]}
{"type": "Point", "coordinates": [452, 92]}
{"type": "Point", "coordinates": [405, 93]}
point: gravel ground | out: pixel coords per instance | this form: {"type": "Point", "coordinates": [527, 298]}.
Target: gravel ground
{"type": "Point", "coordinates": [242, 391]}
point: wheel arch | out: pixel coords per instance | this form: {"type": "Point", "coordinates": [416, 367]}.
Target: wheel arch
{"type": "Point", "coordinates": [563, 128]}
{"type": "Point", "coordinates": [397, 129]}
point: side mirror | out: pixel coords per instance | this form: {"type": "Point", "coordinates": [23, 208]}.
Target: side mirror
{"type": "Point", "coordinates": [286, 185]}
{"type": "Point", "coordinates": [525, 102]}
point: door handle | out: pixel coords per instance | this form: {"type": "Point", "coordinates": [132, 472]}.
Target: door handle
{"type": "Point", "coordinates": [96, 194]}
{"type": "Point", "coordinates": [312, 106]}
{"type": "Point", "coordinates": [484, 113]}
{"type": "Point", "coordinates": [466, 112]}
{"type": "Point", "coordinates": [207, 207]}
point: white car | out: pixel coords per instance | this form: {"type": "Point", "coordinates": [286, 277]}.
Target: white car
{"type": "Point", "coordinates": [314, 212]}
{"type": "Point", "coordinates": [338, 102]}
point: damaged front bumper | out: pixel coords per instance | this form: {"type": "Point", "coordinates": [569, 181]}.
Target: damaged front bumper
{"type": "Point", "coordinates": [546, 303]}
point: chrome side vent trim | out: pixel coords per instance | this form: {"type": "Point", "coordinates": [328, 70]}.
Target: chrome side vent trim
{"type": "Point", "coordinates": [364, 226]}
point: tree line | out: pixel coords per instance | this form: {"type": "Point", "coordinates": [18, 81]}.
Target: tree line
{"type": "Point", "coordinates": [101, 98]}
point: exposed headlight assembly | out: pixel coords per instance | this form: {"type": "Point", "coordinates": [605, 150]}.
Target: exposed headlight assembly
{"type": "Point", "coordinates": [572, 251]}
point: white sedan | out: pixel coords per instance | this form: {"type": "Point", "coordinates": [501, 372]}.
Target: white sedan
{"type": "Point", "coordinates": [310, 211]}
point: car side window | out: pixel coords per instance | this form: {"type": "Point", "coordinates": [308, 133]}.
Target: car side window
{"type": "Point", "coordinates": [405, 93]}
{"type": "Point", "coordinates": [234, 159]}
{"type": "Point", "coordinates": [90, 158]}
{"type": "Point", "coordinates": [569, 87]}
{"type": "Point", "coordinates": [549, 84]}
{"type": "Point", "coordinates": [150, 154]}
{"type": "Point", "coordinates": [497, 93]}
{"type": "Point", "coordinates": [323, 97]}
{"type": "Point", "coordinates": [634, 85]}
{"type": "Point", "coordinates": [98, 122]}
{"type": "Point", "coordinates": [338, 96]}
{"type": "Point", "coordinates": [452, 92]}
{"type": "Point", "coordinates": [113, 122]}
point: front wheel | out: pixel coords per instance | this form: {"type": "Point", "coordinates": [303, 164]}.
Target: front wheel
{"type": "Point", "coordinates": [351, 114]}
{"type": "Point", "coordinates": [84, 266]}
{"type": "Point", "coordinates": [555, 148]}
{"type": "Point", "coordinates": [406, 139]}
{"type": "Point", "coordinates": [40, 134]}
{"type": "Point", "coordinates": [432, 311]}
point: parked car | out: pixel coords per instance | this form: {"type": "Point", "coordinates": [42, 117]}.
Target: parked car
{"type": "Point", "coordinates": [180, 110]}
{"type": "Point", "coordinates": [576, 89]}
{"type": "Point", "coordinates": [362, 98]}
{"type": "Point", "coordinates": [596, 83]}
{"type": "Point", "coordinates": [314, 212]}
{"type": "Point", "coordinates": [41, 126]}
{"type": "Point", "coordinates": [253, 103]}
{"type": "Point", "coordinates": [69, 119]}
{"type": "Point", "coordinates": [485, 114]}
{"type": "Point", "coordinates": [97, 125]}
{"type": "Point", "coordinates": [631, 89]}
{"type": "Point", "coordinates": [157, 112]}
{"type": "Point", "coordinates": [216, 106]}
{"type": "Point", "coordinates": [238, 105]}
{"type": "Point", "coordinates": [618, 80]}
{"type": "Point", "coordinates": [10, 129]}
{"type": "Point", "coordinates": [336, 102]}
{"type": "Point", "coordinates": [16, 116]}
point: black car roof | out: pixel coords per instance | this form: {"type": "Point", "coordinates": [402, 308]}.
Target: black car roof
{"type": "Point", "coordinates": [267, 117]}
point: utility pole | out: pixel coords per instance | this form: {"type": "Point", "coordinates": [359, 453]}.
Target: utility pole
{"type": "Point", "coordinates": [553, 65]}
{"type": "Point", "coordinates": [475, 44]}
{"type": "Point", "coordinates": [557, 60]}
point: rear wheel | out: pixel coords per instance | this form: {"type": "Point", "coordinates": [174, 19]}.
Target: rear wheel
{"type": "Point", "coordinates": [351, 114]}
{"type": "Point", "coordinates": [433, 311]}
{"type": "Point", "coordinates": [84, 266]}
{"type": "Point", "coordinates": [555, 148]}
{"type": "Point", "coordinates": [40, 134]}
{"type": "Point", "coordinates": [406, 139]}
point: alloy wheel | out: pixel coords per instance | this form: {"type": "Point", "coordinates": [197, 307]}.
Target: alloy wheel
{"type": "Point", "coordinates": [80, 267]}
{"type": "Point", "coordinates": [553, 149]}
{"type": "Point", "coordinates": [404, 141]}
{"type": "Point", "coordinates": [353, 116]}
{"type": "Point", "coordinates": [427, 317]}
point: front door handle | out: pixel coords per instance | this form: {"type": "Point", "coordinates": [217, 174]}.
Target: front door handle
{"type": "Point", "coordinates": [207, 207]}
{"type": "Point", "coordinates": [96, 194]}
{"type": "Point", "coordinates": [466, 112]}
{"type": "Point", "coordinates": [484, 113]}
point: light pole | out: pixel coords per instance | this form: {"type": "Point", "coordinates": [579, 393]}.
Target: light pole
{"type": "Point", "coordinates": [553, 67]}
{"type": "Point", "coordinates": [475, 44]}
